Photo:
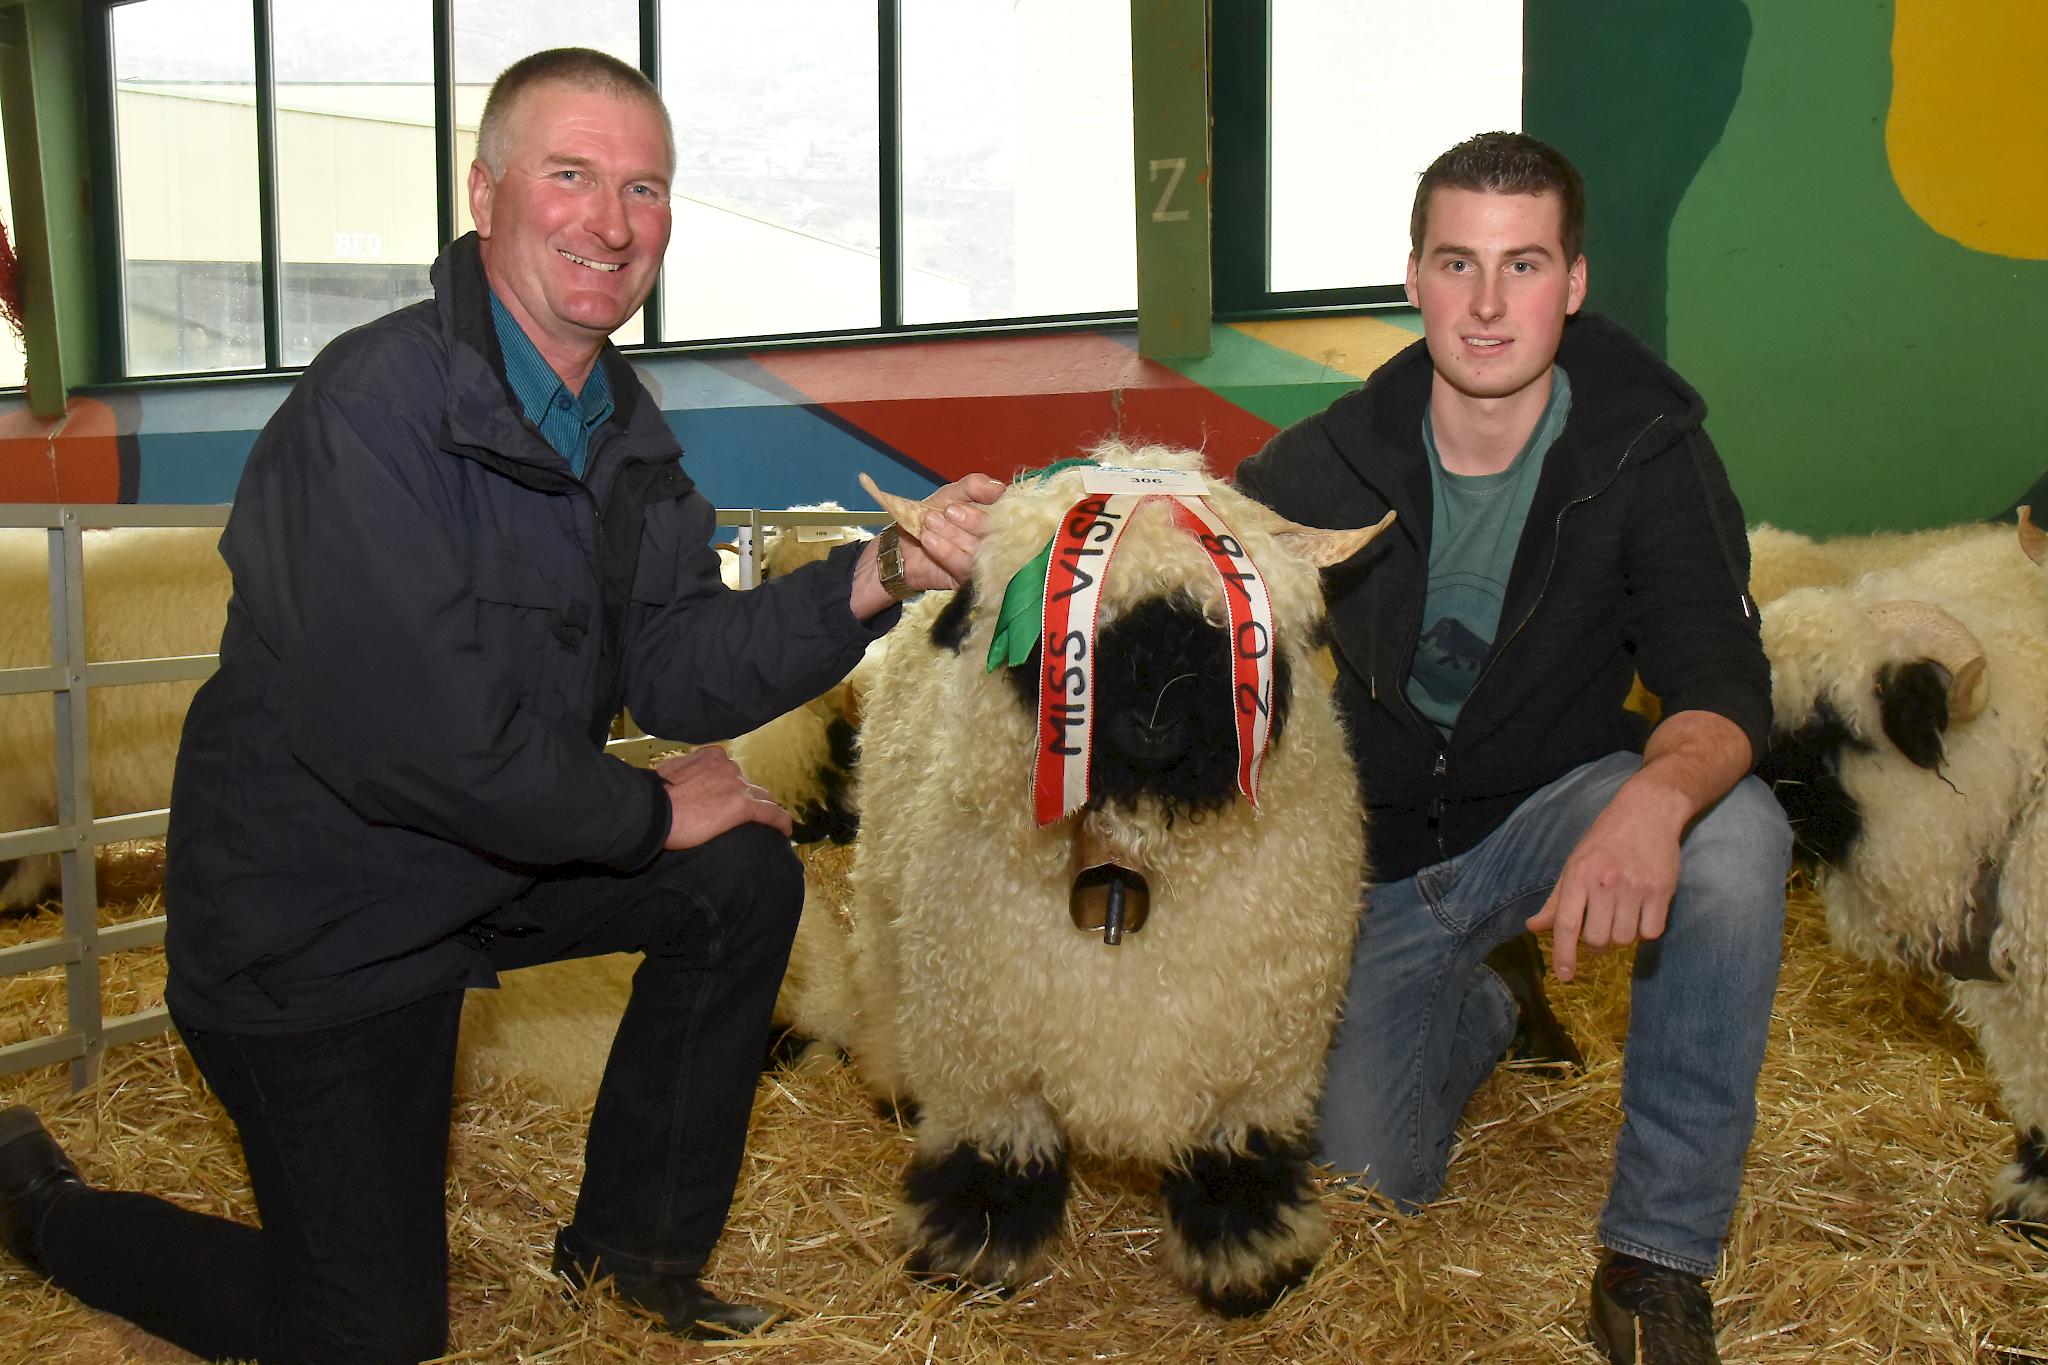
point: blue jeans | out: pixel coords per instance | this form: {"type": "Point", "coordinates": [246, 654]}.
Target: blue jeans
{"type": "Point", "coordinates": [1425, 1020]}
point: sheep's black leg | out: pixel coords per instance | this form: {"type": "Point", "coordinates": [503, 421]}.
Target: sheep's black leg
{"type": "Point", "coordinates": [982, 1219]}
{"type": "Point", "coordinates": [2020, 1201]}
{"type": "Point", "coordinates": [1243, 1225]}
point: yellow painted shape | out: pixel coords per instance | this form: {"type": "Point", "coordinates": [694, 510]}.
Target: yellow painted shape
{"type": "Point", "coordinates": [1968, 131]}
{"type": "Point", "coordinates": [1354, 346]}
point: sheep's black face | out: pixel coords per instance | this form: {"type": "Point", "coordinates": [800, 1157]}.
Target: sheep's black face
{"type": "Point", "coordinates": [1804, 771]}
{"type": "Point", "coordinates": [1163, 721]}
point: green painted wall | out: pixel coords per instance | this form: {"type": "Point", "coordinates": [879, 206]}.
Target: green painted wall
{"type": "Point", "coordinates": [1863, 372]}
{"type": "Point", "coordinates": [1636, 95]}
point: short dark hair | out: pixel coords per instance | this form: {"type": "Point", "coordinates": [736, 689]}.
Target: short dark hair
{"type": "Point", "coordinates": [1505, 163]}
{"type": "Point", "coordinates": [581, 68]}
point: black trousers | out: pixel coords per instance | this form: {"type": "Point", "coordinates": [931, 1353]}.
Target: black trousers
{"type": "Point", "coordinates": [345, 1129]}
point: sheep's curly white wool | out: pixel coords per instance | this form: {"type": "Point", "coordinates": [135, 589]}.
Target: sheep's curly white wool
{"type": "Point", "coordinates": [1928, 837]}
{"type": "Point", "coordinates": [150, 592]}
{"type": "Point", "coordinates": [1781, 560]}
{"type": "Point", "coordinates": [978, 997]}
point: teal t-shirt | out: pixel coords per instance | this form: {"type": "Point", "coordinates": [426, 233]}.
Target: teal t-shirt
{"type": "Point", "coordinates": [1475, 526]}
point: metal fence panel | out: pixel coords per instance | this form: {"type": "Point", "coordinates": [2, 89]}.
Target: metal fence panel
{"type": "Point", "coordinates": [69, 678]}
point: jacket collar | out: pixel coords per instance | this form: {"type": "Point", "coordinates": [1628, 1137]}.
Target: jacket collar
{"type": "Point", "coordinates": [1619, 390]}
{"type": "Point", "coordinates": [482, 416]}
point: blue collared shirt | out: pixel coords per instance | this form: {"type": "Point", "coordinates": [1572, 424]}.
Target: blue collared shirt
{"type": "Point", "coordinates": [565, 419]}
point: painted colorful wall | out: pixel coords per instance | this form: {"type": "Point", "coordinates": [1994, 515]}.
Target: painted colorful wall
{"type": "Point", "coordinates": [1833, 219]}
{"type": "Point", "coordinates": [1832, 215]}
{"type": "Point", "coordinates": [773, 428]}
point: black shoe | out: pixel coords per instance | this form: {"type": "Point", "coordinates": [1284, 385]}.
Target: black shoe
{"type": "Point", "coordinates": [1649, 1314]}
{"type": "Point", "coordinates": [33, 1172]}
{"type": "Point", "coordinates": [684, 1306]}
{"type": "Point", "coordinates": [1539, 1038]}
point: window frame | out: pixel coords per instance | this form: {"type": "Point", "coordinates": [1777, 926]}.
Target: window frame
{"type": "Point", "coordinates": [112, 303]}
{"type": "Point", "coordinates": [1241, 86]}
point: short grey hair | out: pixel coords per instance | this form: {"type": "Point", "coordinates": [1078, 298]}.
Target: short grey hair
{"type": "Point", "coordinates": [580, 68]}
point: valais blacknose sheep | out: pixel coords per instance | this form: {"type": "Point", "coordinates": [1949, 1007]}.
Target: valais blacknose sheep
{"type": "Point", "coordinates": [1073, 931]}
{"type": "Point", "coordinates": [1910, 748]}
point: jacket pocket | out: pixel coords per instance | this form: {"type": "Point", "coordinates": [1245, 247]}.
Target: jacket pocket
{"type": "Point", "coordinates": [654, 577]}
{"type": "Point", "coordinates": [522, 618]}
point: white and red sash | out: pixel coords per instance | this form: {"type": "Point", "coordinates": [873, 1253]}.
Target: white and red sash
{"type": "Point", "coordinates": [1081, 553]}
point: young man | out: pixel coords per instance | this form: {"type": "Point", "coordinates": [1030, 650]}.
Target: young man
{"type": "Point", "coordinates": [462, 542]}
{"type": "Point", "coordinates": [1563, 524]}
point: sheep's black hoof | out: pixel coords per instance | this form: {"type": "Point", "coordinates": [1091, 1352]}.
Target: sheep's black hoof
{"type": "Point", "coordinates": [785, 1045]}
{"type": "Point", "coordinates": [2033, 1230]}
{"type": "Point", "coordinates": [1251, 1300]}
{"type": "Point", "coordinates": [974, 1220]}
{"type": "Point", "coordinates": [2019, 1198]}
{"type": "Point", "coordinates": [902, 1112]}
{"type": "Point", "coordinates": [1243, 1227]}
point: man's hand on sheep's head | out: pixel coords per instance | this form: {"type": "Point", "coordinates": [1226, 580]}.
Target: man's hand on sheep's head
{"type": "Point", "coordinates": [708, 795]}
{"type": "Point", "coordinates": [938, 538]}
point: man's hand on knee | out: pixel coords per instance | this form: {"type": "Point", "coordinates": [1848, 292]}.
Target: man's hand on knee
{"type": "Point", "coordinates": [1616, 887]}
{"type": "Point", "coordinates": [709, 795]}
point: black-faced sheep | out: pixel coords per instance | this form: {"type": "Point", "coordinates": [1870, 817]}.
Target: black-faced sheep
{"type": "Point", "coordinates": [150, 592]}
{"type": "Point", "coordinates": [1910, 749]}
{"type": "Point", "coordinates": [988, 988]}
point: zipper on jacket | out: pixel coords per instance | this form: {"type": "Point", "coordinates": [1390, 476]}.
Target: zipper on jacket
{"type": "Point", "coordinates": [1436, 806]}
{"type": "Point", "coordinates": [1551, 567]}
{"type": "Point", "coordinates": [1440, 772]}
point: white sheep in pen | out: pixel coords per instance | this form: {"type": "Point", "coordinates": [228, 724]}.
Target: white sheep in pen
{"type": "Point", "coordinates": [988, 989]}
{"type": "Point", "coordinates": [1910, 748]}
{"type": "Point", "coordinates": [150, 592]}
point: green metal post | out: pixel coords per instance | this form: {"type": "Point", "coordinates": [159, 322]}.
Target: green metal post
{"type": "Point", "coordinates": [42, 79]}
{"type": "Point", "coordinates": [1170, 139]}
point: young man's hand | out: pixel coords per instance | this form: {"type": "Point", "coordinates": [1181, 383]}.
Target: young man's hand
{"type": "Point", "coordinates": [1616, 886]}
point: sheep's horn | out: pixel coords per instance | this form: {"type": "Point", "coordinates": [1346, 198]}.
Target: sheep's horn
{"type": "Point", "coordinates": [1324, 548]}
{"type": "Point", "coordinates": [2033, 539]}
{"type": "Point", "coordinates": [1948, 642]}
{"type": "Point", "coordinates": [907, 514]}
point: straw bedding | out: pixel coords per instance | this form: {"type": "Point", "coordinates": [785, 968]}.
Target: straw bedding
{"type": "Point", "coordinates": [1859, 1237]}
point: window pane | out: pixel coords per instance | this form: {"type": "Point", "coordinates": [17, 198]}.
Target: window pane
{"type": "Point", "coordinates": [1016, 159]}
{"type": "Point", "coordinates": [355, 163]}
{"type": "Point", "coordinates": [185, 112]}
{"type": "Point", "coordinates": [777, 210]}
{"type": "Point", "coordinates": [12, 360]}
{"type": "Point", "coordinates": [1364, 98]}
{"type": "Point", "coordinates": [490, 35]}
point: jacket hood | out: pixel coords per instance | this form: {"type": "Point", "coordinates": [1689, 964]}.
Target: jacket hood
{"type": "Point", "coordinates": [1620, 388]}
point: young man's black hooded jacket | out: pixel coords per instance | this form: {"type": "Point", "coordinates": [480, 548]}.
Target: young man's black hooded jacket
{"type": "Point", "coordinates": [432, 626]}
{"type": "Point", "coordinates": [1633, 559]}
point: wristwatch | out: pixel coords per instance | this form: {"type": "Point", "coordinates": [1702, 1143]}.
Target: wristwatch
{"type": "Point", "coordinates": [889, 561]}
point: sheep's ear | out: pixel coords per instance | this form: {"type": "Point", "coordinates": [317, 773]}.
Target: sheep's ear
{"type": "Point", "coordinates": [1325, 548]}
{"type": "Point", "coordinates": [1937, 636]}
{"type": "Point", "coordinates": [2033, 539]}
{"type": "Point", "coordinates": [905, 513]}
{"type": "Point", "coordinates": [1913, 701]}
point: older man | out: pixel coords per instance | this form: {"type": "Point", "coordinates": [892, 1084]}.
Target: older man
{"type": "Point", "coordinates": [460, 545]}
